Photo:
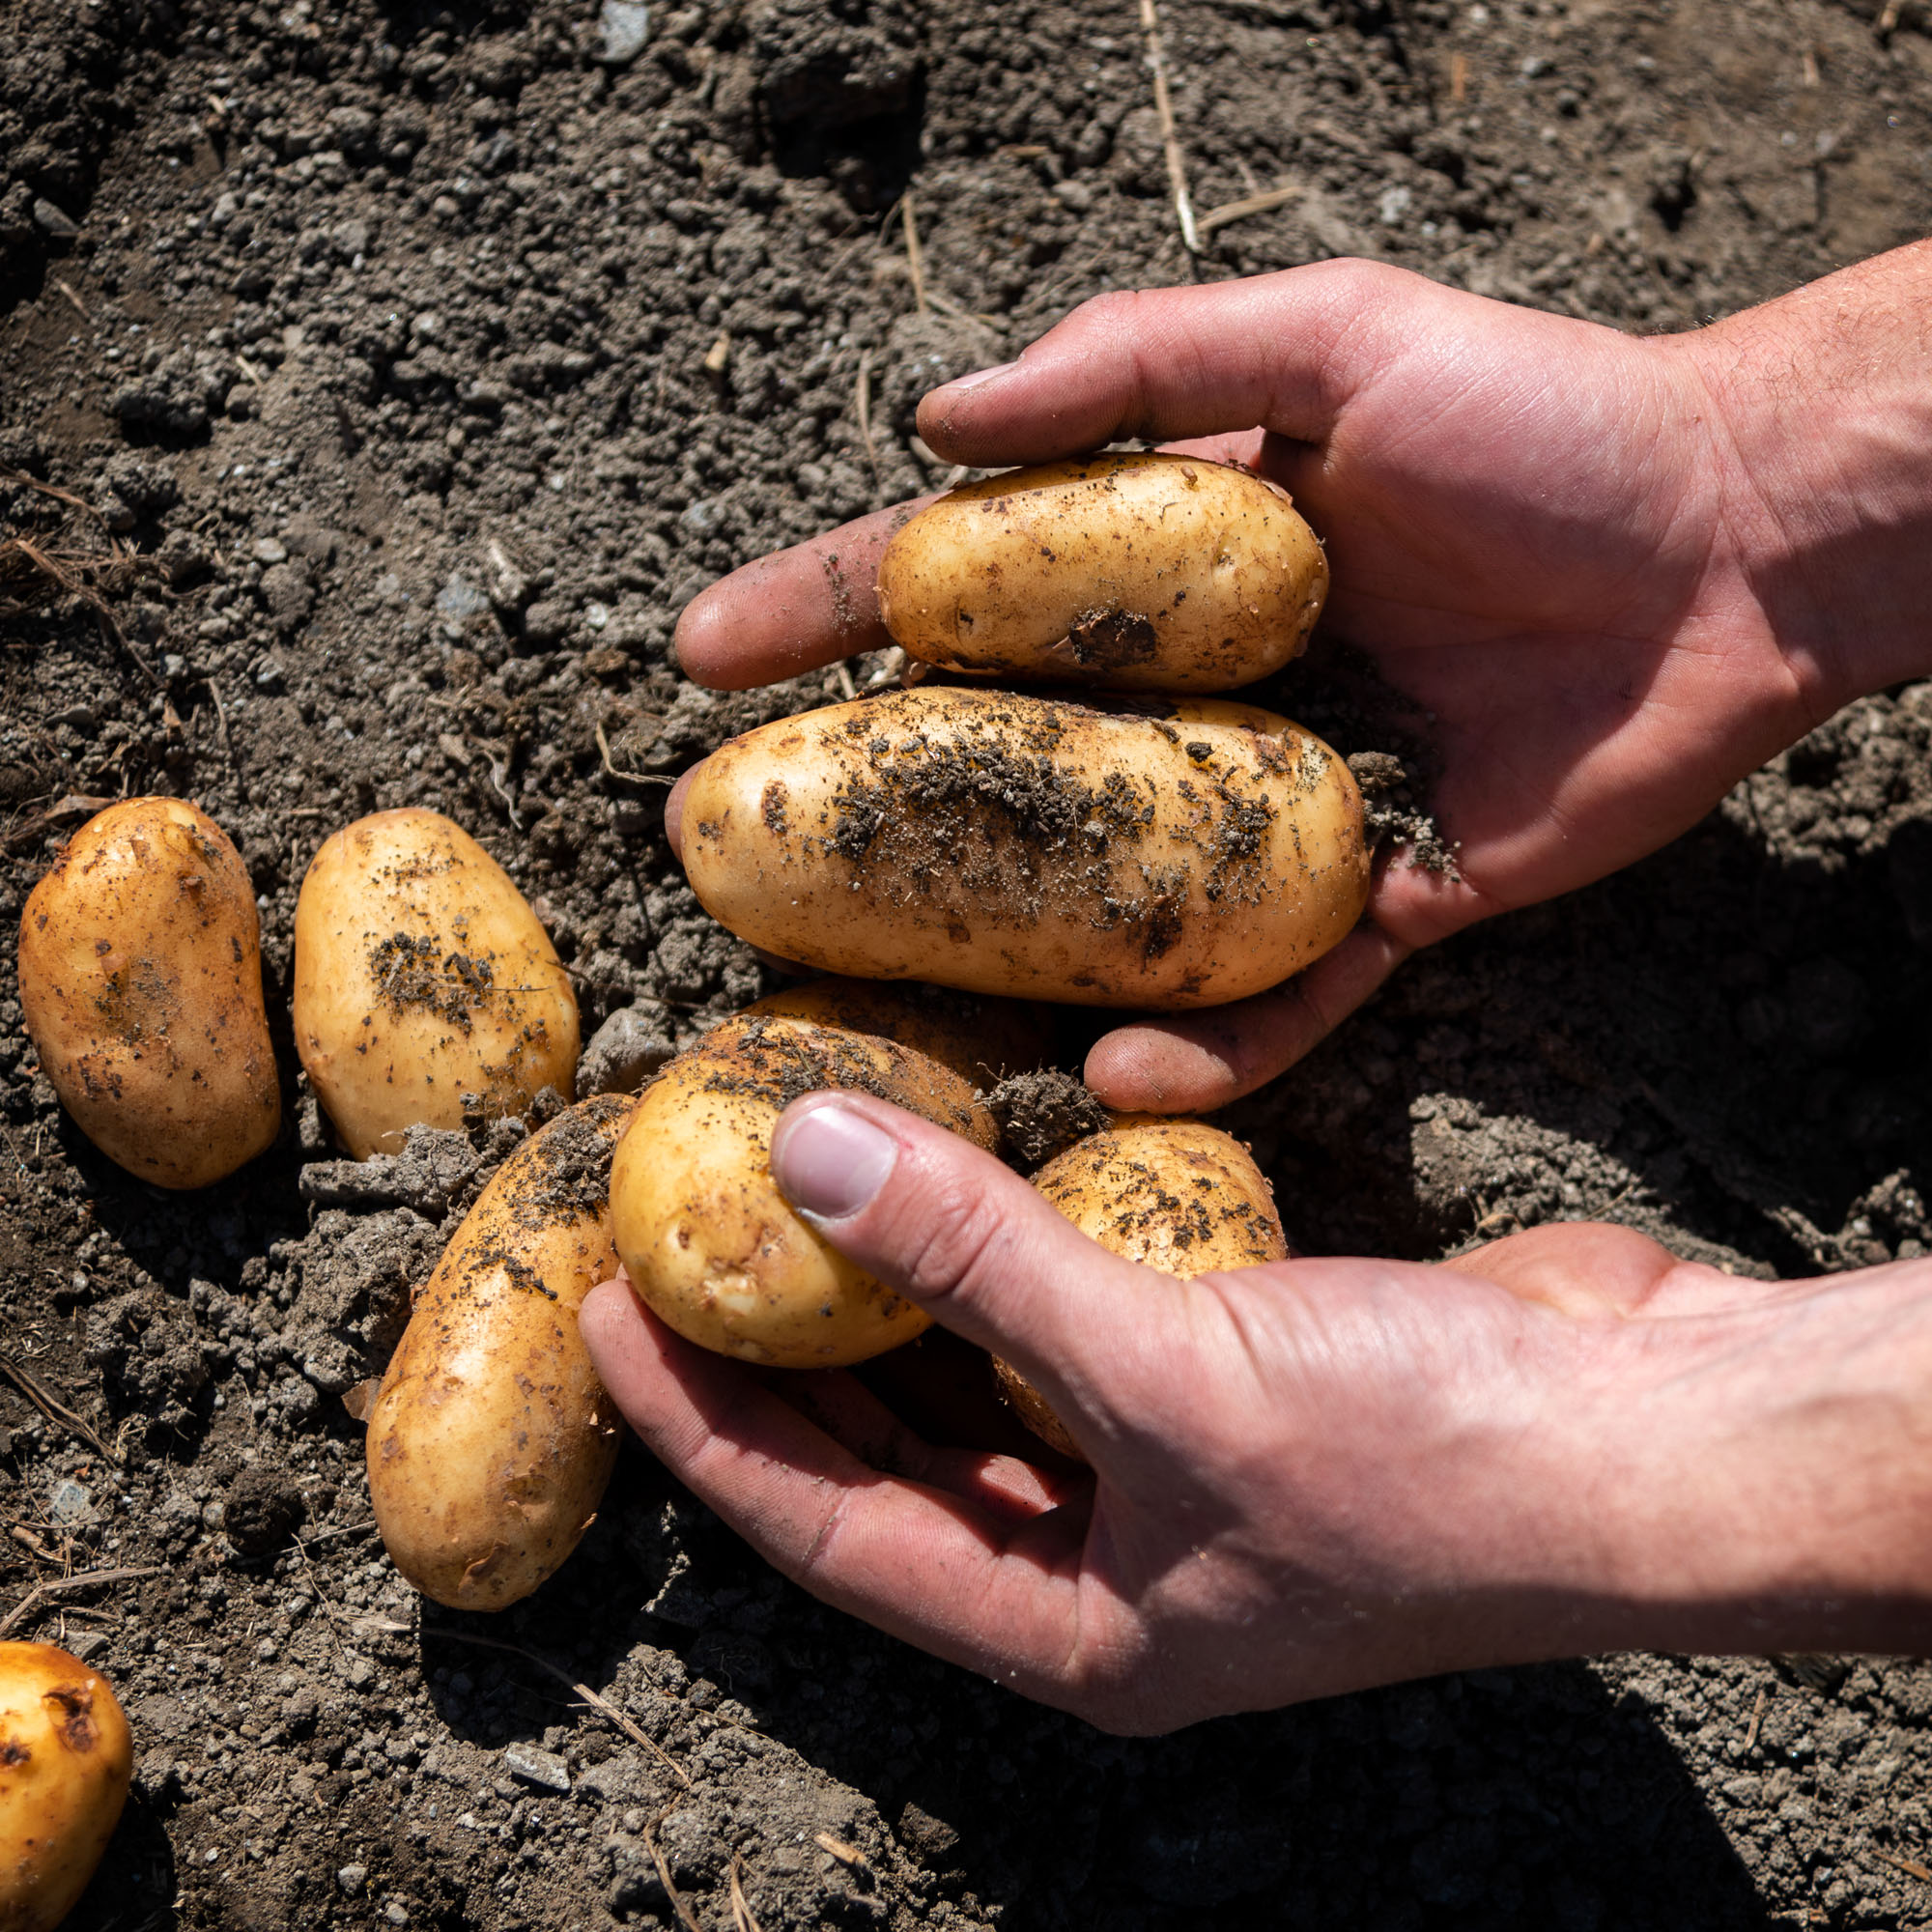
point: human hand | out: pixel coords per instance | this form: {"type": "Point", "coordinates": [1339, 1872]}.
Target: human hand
{"type": "Point", "coordinates": [1319, 1475]}
{"type": "Point", "coordinates": [1618, 574]}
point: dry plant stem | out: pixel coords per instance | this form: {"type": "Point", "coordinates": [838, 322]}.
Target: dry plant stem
{"type": "Point", "coordinates": [629, 777]}
{"type": "Point", "coordinates": [42, 1594]}
{"type": "Point", "coordinates": [915, 257]}
{"type": "Point", "coordinates": [676, 1897]}
{"type": "Point", "coordinates": [862, 408]}
{"type": "Point", "coordinates": [54, 1412]}
{"type": "Point", "coordinates": [602, 1706]}
{"type": "Point", "coordinates": [1240, 211]}
{"type": "Point", "coordinates": [743, 1917]}
{"type": "Point", "coordinates": [1170, 139]}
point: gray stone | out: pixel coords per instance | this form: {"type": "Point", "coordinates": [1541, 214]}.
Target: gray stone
{"type": "Point", "coordinates": [626, 1050]}
{"type": "Point", "coordinates": [538, 1767]}
{"type": "Point", "coordinates": [626, 25]}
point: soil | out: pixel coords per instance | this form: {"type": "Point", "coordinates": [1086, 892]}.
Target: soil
{"type": "Point", "coordinates": [422, 362]}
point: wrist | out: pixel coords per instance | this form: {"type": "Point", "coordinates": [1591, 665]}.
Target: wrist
{"type": "Point", "coordinates": [1775, 1489]}
{"type": "Point", "coordinates": [1819, 429]}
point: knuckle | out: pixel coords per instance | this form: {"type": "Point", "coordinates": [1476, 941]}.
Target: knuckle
{"type": "Point", "coordinates": [955, 1234]}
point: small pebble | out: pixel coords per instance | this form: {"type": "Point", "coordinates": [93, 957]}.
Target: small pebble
{"type": "Point", "coordinates": [539, 1767]}
{"type": "Point", "coordinates": [626, 25]}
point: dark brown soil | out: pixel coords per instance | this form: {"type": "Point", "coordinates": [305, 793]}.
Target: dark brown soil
{"type": "Point", "coordinates": [424, 363]}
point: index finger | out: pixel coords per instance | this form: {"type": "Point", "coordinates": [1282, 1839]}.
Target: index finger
{"type": "Point", "coordinates": [795, 611]}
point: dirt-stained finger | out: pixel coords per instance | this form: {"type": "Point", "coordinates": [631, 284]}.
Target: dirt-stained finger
{"type": "Point", "coordinates": [795, 611]}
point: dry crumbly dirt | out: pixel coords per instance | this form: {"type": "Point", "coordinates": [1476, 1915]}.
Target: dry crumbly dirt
{"type": "Point", "coordinates": [424, 364]}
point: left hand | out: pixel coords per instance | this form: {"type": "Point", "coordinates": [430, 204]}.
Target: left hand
{"type": "Point", "coordinates": [1319, 1475]}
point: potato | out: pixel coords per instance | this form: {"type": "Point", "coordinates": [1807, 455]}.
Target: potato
{"type": "Point", "coordinates": [65, 1759]}
{"type": "Point", "coordinates": [1175, 1195]}
{"type": "Point", "coordinates": [421, 977]}
{"type": "Point", "coordinates": [491, 1438]}
{"type": "Point", "coordinates": [1137, 573]}
{"type": "Point", "coordinates": [982, 1040]}
{"type": "Point", "coordinates": [141, 982]}
{"type": "Point", "coordinates": [1178, 854]}
{"type": "Point", "coordinates": [710, 1243]}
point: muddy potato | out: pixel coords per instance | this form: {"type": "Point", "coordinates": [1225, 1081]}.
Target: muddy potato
{"type": "Point", "coordinates": [491, 1438]}
{"type": "Point", "coordinates": [1176, 1195]}
{"type": "Point", "coordinates": [1177, 854]}
{"type": "Point", "coordinates": [422, 975]}
{"type": "Point", "coordinates": [65, 1759]}
{"type": "Point", "coordinates": [983, 1041]}
{"type": "Point", "coordinates": [710, 1243]}
{"type": "Point", "coordinates": [141, 982]}
{"type": "Point", "coordinates": [1136, 572]}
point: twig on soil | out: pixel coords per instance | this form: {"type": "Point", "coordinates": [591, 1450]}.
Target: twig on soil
{"type": "Point", "coordinates": [915, 258]}
{"type": "Point", "coordinates": [862, 408]}
{"type": "Point", "coordinates": [630, 777]}
{"type": "Point", "coordinates": [1459, 78]}
{"type": "Point", "coordinates": [1756, 1719]}
{"type": "Point", "coordinates": [743, 1917]}
{"type": "Point", "coordinates": [55, 1411]}
{"type": "Point", "coordinates": [630, 1727]}
{"type": "Point", "coordinates": [1170, 138]}
{"type": "Point", "coordinates": [46, 1593]}
{"type": "Point", "coordinates": [79, 307]}
{"type": "Point", "coordinates": [72, 805]}
{"type": "Point", "coordinates": [33, 1545]}
{"type": "Point", "coordinates": [1910, 1866]}
{"type": "Point", "coordinates": [1249, 204]}
{"type": "Point", "coordinates": [1888, 20]}
{"type": "Point", "coordinates": [649, 1834]}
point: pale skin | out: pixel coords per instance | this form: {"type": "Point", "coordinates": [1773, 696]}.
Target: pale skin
{"type": "Point", "coordinates": [1621, 574]}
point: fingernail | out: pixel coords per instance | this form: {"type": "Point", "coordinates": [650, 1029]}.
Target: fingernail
{"type": "Point", "coordinates": [830, 1161]}
{"type": "Point", "coordinates": [976, 380]}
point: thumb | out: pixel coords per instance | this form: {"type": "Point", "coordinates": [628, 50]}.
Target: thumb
{"type": "Point", "coordinates": [966, 1239]}
{"type": "Point", "coordinates": [1284, 351]}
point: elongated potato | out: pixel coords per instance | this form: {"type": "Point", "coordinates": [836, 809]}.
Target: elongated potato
{"type": "Point", "coordinates": [65, 1760]}
{"type": "Point", "coordinates": [141, 982]}
{"type": "Point", "coordinates": [1176, 1195]}
{"type": "Point", "coordinates": [491, 1438]}
{"type": "Point", "coordinates": [1179, 854]}
{"type": "Point", "coordinates": [710, 1243]}
{"type": "Point", "coordinates": [422, 975]}
{"type": "Point", "coordinates": [1136, 572]}
{"type": "Point", "coordinates": [982, 1040]}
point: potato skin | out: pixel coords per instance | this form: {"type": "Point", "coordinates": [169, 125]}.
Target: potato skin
{"type": "Point", "coordinates": [1176, 1195]}
{"type": "Point", "coordinates": [1131, 572]}
{"type": "Point", "coordinates": [66, 1761]}
{"type": "Point", "coordinates": [1158, 854]}
{"type": "Point", "coordinates": [422, 975]}
{"type": "Point", "coordinates": [491, 1439]}
{"type": "Point", "coordinates": [141, 981]}
{"type": "Point", "coordinates": [712, 1247]}
{"type": "Point", "coordinates": [983, 1041]}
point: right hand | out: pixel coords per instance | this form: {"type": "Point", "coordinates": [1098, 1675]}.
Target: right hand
{"type": "Point", "coordinates": [1618, 574]}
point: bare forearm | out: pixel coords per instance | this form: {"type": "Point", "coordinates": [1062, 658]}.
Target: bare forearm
{"type": "Point", "coordinates": [1824, 402]}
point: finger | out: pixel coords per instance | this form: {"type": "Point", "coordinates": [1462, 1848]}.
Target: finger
{"type": "Point", "coordinates": [965, 1237]}
{"type": "Point", "coordinates": [792, 612]}
{"type": "Point", "coordinates": [852, 1415]}
{"type": "Point", "coordinates": [999, 1596]}
{"type": "Point", "coordinates": [1285, 351]}
{"type": "Point", "coordinates": [1191, 1064]}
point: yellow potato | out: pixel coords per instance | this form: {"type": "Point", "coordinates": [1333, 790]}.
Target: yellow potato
{"type": "Point", "coordinates": [141, 982]}
{"type": "Point", "coordinates": [491, 1438]}
{"type": "Point", "coordinates": [1175, 1195]}
{"type": "Point", "coordinates": [710, 1243]}
{"type": "Point", "coordinates": [422, 975]}
{"type": "Point", "coordinates": [65, 1759]}
{"type": "Point", "coordinates": [1138, 572]}
{"type": "Point", "coordinates": [1178, 854]}
{"type": "Point", "coordinates": [983, 1041]}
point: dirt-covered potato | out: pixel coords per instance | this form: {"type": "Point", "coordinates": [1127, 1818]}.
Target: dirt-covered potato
{"type": "Point", "coordinates": [1163, 853]}
{"type": "Point", "coordinates": [1176, 1195]}
{"type": "Point", "coordinates": [425, 987]}
{"type": "Point", "coordinates": [983, 1041]}
{"type": "Point", "coordinates": [1138, 572]}
{"type": "Point", "coordinates": [65, 1759]}
{"type": "Point", "coordinates": [710, 1243]}
{"type": "Point", "coordinates": [491, 1438]}
{"type": "Point", "coordinates": [141, 982]}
